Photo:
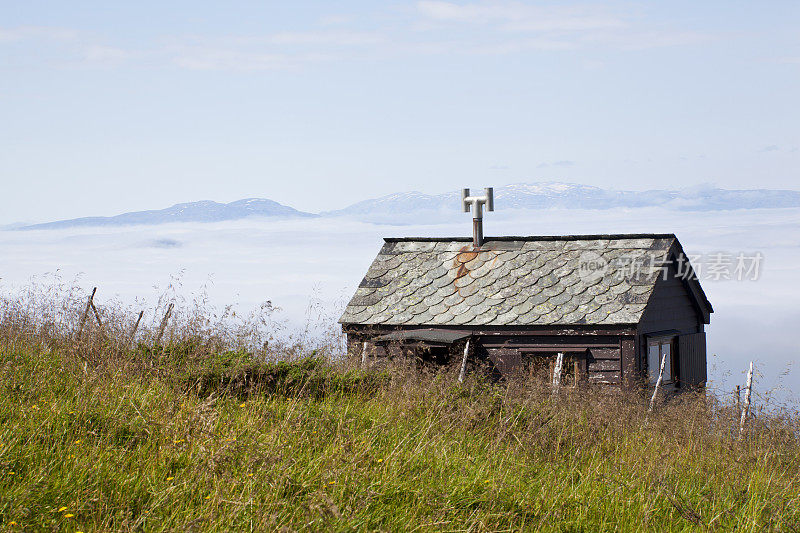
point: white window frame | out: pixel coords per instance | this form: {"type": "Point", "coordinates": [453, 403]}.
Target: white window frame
{"type": "Point", "coordinates": [662, 344]}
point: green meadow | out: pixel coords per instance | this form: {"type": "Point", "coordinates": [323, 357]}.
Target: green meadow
{"type": "Point", "coordinates": [96, 435]}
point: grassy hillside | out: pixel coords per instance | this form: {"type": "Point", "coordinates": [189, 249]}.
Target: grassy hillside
{"type": "Point", "coordinates": [96, 437]}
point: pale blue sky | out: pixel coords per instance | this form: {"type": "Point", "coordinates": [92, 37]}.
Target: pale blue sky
{"type": "Point", "coordinates": [109, 107]}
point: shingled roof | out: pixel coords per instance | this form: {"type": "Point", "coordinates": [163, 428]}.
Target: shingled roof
{"type": "Point", "coordinates": [512, 281]}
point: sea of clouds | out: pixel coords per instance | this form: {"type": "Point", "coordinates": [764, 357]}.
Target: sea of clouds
{"type": "Point", "coordinates": [309, 268]}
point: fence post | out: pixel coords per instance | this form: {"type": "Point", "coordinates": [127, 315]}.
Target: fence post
{"type": "Point", "coordinates": [136, 326]}
{"type": "Point", "coordinates": [97, 316]}
{"type": "Point", "coordinates": [163, 324]}
{"type": "Point", "coordinates": [737, 398]}
{"type": "Point", "coordinates": [89, 305]}
{"type": "Point", "coordinates": [463, 371]}
{"type": "Point", "coordinates": [658, 383]}
{"type": "Point", "coordinates": [557, 372]}
{"type": "Point", "coordinates": [364, 354]}
{"type": "Point", "coordinates": [746, 407]}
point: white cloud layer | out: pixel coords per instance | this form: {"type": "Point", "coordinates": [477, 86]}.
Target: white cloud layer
{"type": "Point", "coordinates": [292, 262]}
{"type": "Point", "coordinates": [505, 28]}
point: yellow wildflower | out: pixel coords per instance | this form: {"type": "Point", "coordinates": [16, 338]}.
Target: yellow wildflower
{"type": "Point", "coordinates": [331, 483]}
{"type": "Point", "coordinates": [11, 473]}
{"type": "Point", "coordinates": [243, 404]}
{"type": "Point", "coordinates": [380, 460]}
{"type": "Point", "coordinates": [12, 523]}
{"type": "Point", "coordinates": [170, 478]}
{"type": "Point", "coordinates": [250, 474]}
{"type": "Point", "coordinates": [68, 515]}
{"type": "Point", "coordinates": [78, 441]}
{"type": "Point", "coordinates": [62, 509]}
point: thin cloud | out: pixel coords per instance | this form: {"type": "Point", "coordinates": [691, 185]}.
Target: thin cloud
{"type": "Point", "coordinates": [328, 38]}
{"type": "Point", "coordinates": [515, 16]}
{"type": "Point", "coordinates": [505, 28]}
{"type": "Point", "coordinates": [561, 163]}
{"type": "Point", "coordinates": [519, 27]}
{"type": "Point", "coordinates": [770, 148]}
{"type": "Point", "coordinates": [23, 33]}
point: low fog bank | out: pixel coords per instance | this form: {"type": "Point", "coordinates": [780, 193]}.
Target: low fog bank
{"type": "Point", "coordinates": [309, 268]}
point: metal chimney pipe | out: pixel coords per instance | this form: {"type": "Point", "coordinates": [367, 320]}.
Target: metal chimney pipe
{"type": "Point", "coordinates": [477, 232]}
{"type": "Point", "coordinates": [476, 203]}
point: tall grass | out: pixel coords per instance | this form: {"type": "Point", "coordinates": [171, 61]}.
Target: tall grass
{"type": "Point", "coordinates": [216, 431]}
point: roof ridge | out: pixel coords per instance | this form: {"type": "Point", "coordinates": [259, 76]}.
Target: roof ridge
{"type": "Point", "coordinates": [538, 237]}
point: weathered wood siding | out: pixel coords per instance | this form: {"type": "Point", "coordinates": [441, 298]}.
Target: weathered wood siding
{"type": "Point", "coordinates": [692, 354]}
{"type": "Point", "coordinates": [605, 365]}
{"type": "Point", "coordinates": [671, 308]}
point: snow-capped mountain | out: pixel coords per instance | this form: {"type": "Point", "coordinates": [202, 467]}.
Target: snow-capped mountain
{"type": "Point", "coordinates": [399, 207]}
{"type": "Point", "coordinates": [205, 211]}
{"type": "Point", "coordinates": [420, 208]}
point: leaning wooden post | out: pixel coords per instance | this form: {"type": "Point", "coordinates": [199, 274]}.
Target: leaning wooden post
{"type": "Point", "coordinates": [658, 383]}
{"type": "Point", "coordinates": [136, 326]}
{"type": "Point", "coordinates": [737, 397]}
{"type": "Point", "coordinates": [463, 373]}
{"type": "Point", "coordinates": [557, 372]}
{"type": "Point", "coordinates": [364, 354]}
{"type": "Point", "coordinates": [89, 305]}
{"type": "Point", "coordinates": [163, 324]}
{"type": "Point", "coordinates": [97, 316]}
{"type": "Point", "coordinates": [746, 406]}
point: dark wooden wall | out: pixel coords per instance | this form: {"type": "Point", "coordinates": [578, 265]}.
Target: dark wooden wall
{"type": "Point", "coordinates": [692, 354]}
{"type": "Point", "coordinates": [672, 309]}
{"type": "Point", "coordinates": [601, 351]}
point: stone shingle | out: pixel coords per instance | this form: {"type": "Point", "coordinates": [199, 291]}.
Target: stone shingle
{"type": "Point", "coordinates": [528, 281]}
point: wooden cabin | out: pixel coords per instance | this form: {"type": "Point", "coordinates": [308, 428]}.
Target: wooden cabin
{"type": "Point", "coordinates": [614, 306]}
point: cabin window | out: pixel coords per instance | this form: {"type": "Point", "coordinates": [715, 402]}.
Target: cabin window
{"type": "Point", "coordinates": [656, 350]}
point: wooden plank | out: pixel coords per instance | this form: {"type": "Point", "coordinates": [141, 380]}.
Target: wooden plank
{"type": "Point", "coordinates": [553, 345]}
{"type": "Point", "coordinates": [605, 365]}
{"type": "Point", "coordinates": [605, 353]}
{"type": "Point", "coordinates": [552, 349]}
{"type": "Point", "coordinates": [605, 377]}
{"type": "Point", "coordinates": [628, 361]}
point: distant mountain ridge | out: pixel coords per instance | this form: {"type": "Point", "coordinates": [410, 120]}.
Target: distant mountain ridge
{"type": "Point", "coordinates": [547, 195]}
{"type": "Point", "coordinates": [421, 208]}
{"type": "Point", "coordinates": [205, 211]}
